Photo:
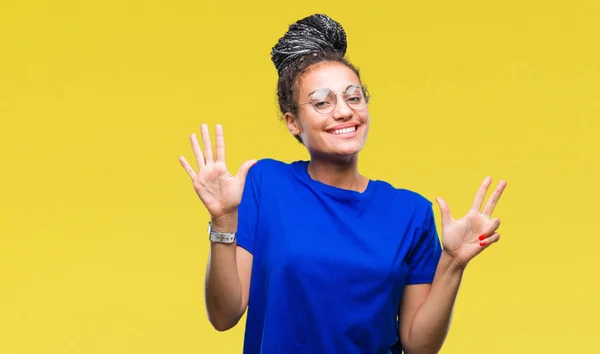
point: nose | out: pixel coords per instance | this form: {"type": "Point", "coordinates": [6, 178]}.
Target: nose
{"type": "Point", "coordinates": [342, 110]}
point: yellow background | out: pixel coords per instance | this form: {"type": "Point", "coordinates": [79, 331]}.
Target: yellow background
{"type": "Point", "coordinates": [103, 242]}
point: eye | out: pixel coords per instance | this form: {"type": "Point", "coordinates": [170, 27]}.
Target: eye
{"type": "Point", "coordinates": [321, 104]}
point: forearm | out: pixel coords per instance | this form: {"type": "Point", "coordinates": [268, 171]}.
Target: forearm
{"type": "Point", "coordinates": [431, 323]}
{"type": "Point", "coordinates": [223, 293]}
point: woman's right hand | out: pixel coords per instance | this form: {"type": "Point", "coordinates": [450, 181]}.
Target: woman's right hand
{"type": "Point", "coordinates": [219, 190]}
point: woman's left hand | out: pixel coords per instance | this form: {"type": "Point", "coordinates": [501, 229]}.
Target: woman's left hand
{"type": "Point", "coordinates": [465, 238]}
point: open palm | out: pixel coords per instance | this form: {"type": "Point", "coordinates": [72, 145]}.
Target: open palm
{"type": "Point", "coordinates": [465, 238]}
{"type": "Point", "coordinates": [219, 190]}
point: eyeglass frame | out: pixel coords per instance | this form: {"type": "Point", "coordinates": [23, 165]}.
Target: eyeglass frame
{"type": "Point", "coordinates": [335, 94]}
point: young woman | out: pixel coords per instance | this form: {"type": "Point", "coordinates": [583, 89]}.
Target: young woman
{"type": "Point", "coordinates": [325, 259]}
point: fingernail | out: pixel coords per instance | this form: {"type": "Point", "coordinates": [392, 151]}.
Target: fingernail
{"type": "Point", "coordinates": [482, 244]}
{"type": "Point", "coordinates": [482, 237]}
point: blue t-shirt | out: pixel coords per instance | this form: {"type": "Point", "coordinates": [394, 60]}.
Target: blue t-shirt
{"type": "Point", "coordinates": [330, 264]}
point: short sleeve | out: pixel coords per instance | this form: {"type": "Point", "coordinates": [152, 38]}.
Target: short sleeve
{"type": "Point", "coordinates": [248, 210]}
{"type": "Point", "coordinates": [426, 251]}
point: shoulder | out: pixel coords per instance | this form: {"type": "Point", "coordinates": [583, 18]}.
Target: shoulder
{"type": "Point", "coordinates": [404, 196]}
{"type": "Point", "coordinates": [267, 166]}
{"type": "Point", "coordinates": [269, 163]}
{"type": "Point", "coordinates": [414, 197]}
{"type": "Point", "coordinates": [269, 178]}
{"type": "Point", "coordinates": [268, 169]}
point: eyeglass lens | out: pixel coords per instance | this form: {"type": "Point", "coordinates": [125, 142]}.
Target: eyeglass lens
{"type": "Point", "coordinates": [324, 100]}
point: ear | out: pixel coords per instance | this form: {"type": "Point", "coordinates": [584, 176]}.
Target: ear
{"type": "Point", "coordinates": [293, 123]}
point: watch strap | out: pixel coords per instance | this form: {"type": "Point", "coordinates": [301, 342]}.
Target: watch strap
{"type": "Point", "coordinates": [220, 237]}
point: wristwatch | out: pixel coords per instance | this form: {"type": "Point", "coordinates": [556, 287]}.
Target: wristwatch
{"type": "Point", "coordinates": [220, 237]}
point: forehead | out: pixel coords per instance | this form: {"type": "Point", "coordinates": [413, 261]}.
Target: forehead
{"type": "Point", "coordinates": [335, 76]}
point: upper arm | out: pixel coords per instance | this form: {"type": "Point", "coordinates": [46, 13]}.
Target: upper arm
{"type": "Point", "coordinates": [422, 263]}
{"type": "Point", "coordinates": [248, 212]}
{"type": "Point", "coordinates": [244, 270]}
{"type": "Point", "coordinates": [413, 298]}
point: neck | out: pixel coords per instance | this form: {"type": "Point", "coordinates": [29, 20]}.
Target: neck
{"type": "Point", "coordinates": [340, 173]}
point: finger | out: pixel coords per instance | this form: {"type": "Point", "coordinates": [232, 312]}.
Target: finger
{"type": "Point", "coordinates": [187, 167]}
{"type": "Point", "coordinates": [197, 152]}
{"type": "Point", "coordinates": [489, 240]}
{"type": "Point", "coordinates": [208, 150]}
{"type": "Point", "coordinates": [444, 210]}
{"type": "Point", "coordinates": [491, 203]}
{"type": "Point", "coordinates": [491, 227]}
{"type": "Point", "coordinates": [480, 196]}
{"type": "Point", "coordinates": [243, 171]}
{"type": "Point", "coordinates": [219, 143]}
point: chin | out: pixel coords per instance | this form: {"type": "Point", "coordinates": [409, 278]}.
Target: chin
{"type": "Point", "coordinates": [350, 151]}
{"type": "Point", "coordinates": [346, 152]}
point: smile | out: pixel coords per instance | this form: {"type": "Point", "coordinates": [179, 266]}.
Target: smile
{"type": "Point", "coordinates": [343, 131]}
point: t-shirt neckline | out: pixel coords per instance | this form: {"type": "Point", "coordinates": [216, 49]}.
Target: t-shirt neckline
{"type": "Point", "coordinates": [301, 171]}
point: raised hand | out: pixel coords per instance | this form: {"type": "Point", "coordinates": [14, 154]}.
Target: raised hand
{"type": "Point", "coordinates": [465, 238]}
{"type": "Point", "coordinates": [219, 190]}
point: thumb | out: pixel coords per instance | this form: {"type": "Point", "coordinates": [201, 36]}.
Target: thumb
{"type": "Point", "coordinates": [243, 171]}
{"type": "Point", "coordinates": [444, 210]}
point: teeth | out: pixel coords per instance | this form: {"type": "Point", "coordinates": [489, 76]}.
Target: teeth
{"type": "Point", "coordinates": [344, 131]}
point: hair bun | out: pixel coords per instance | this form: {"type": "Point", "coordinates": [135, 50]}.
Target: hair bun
{"type": "Point", "coordinates": [312, 34]}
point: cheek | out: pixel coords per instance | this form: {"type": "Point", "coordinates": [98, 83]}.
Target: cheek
{"type": "Point", "coordinates": [311, 124]}
{"type": "Point", "coordinates": [366, 123]}
{"type": "Point", "coordinates": [365, 117]}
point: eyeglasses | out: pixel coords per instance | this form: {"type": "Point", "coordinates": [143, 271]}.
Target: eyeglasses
{"type": "Point", "coordinates": [324, 100]}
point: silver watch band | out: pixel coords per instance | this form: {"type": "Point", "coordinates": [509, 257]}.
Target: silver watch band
{"type": "Point", "coordinates": [220, 237]}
